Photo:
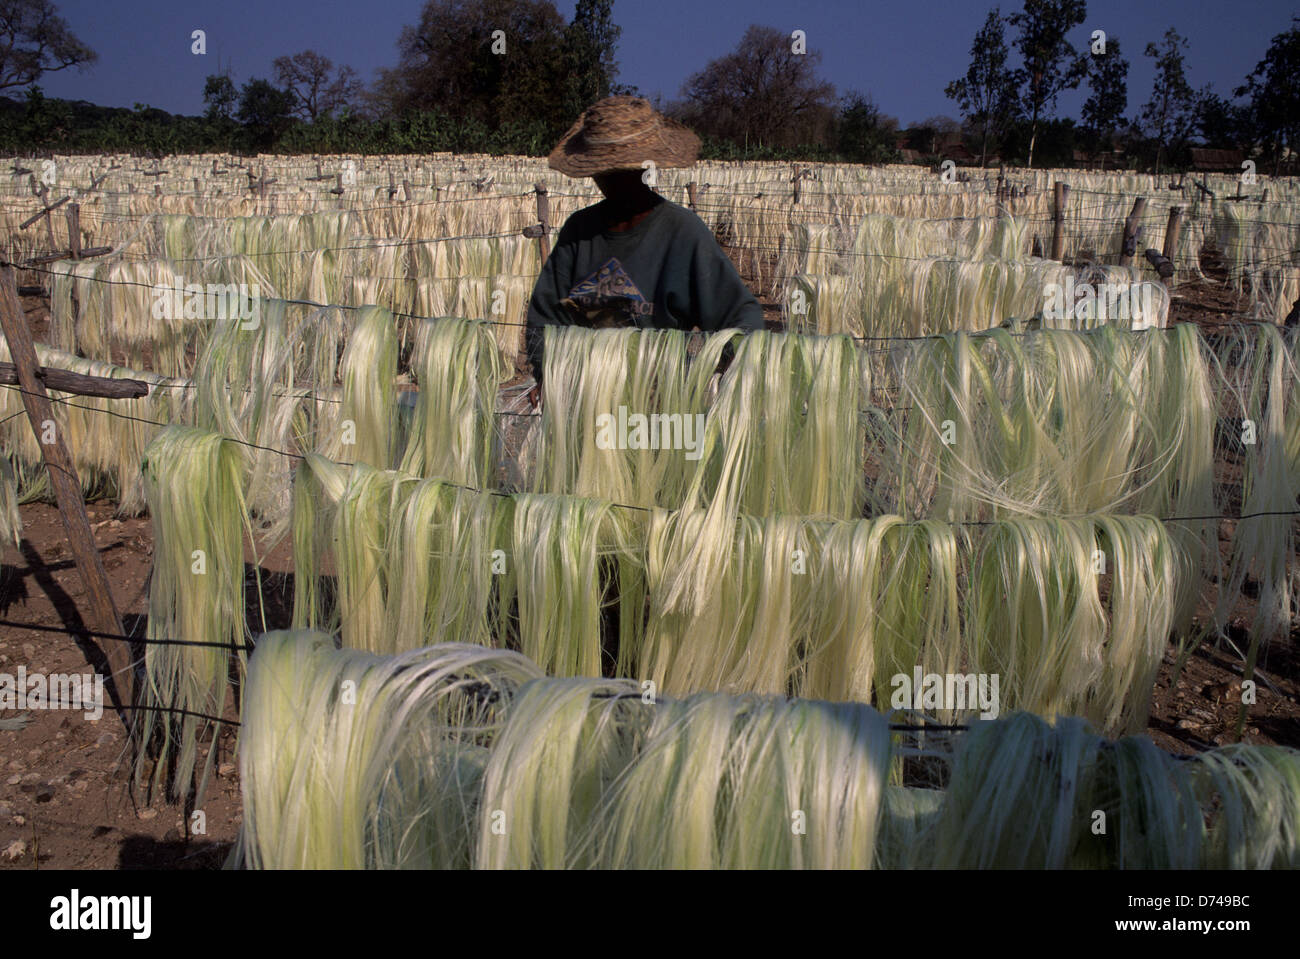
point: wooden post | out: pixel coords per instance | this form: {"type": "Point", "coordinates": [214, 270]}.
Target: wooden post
{"type": "Point", "coordinates": [197, 191]}
{"type": "Point", "coordinates": [1173, 230]}
{"type": "Point", "coordinates": [690, 194]}
{"type": "Point", "coordinates": [1060, 196]}
{"type": "Point", "coordinates": [1164, 266]}
{"type": "Point", "coordinates": [1128, 247]}
{"type": "Point", "coordinates": [1001, 181]}
{"type": "Point", "coordinates": [74, 230]}
{"type": "Point", "coordinates": [544, 218]}
{"type": "Point", "coordinates": [392, 185]}
{"type": "Point", "coordinates": [42, 194]}
{"type": "Point", "coordinates": [797, 178]}
{"type": "Point", "coordinates": [407, 193]}
{"type": "Point", "coordinates": [66, 381]}
{"type": "Point", "coordinates": [67, 487]}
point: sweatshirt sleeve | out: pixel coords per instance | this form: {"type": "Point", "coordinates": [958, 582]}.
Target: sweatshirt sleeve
{"type": "Point", "coordinates": [544, 309]}
{"type": "Point", "coordinates": [719, 297]}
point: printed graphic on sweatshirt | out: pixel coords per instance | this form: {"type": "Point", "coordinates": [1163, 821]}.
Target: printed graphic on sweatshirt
{"type": "Point", "coordinates": [607, 298]}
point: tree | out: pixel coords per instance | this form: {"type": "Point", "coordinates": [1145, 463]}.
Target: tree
{"type": "Point", "coordinates": [1050, 63]}
{"type": "Point", "coordinates": [864, 135]}
{"type": "Point", "coordinates": [317, 89]}
{"type": "Point", "coordinates": [987, 93]}
{"type": "Point", "coordinates": [929, 136]}
{"type": "Point", "coordinates": [265, 112]}
{"type": "Point", "coordinates": [220, 96]}
{"type": "Point", "coordinates": [1274, 91]}
{"type": "Point", "coordinates": [589, 43]}
{"type": "Point", "coordinates": [35, 40]}
{"type": "Point", "coordinates": [761, 93]}
{"type": "Point", "coordinates": [1103, 111]}
{"type": "Point", "coordinates": [496, 61]}
{"type": "Point", "coordinates": [1169, 116]}
{"type": "Point", "coordinates": [1220, 122]}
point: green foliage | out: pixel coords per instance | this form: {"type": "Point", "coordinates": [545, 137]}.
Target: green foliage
{"type": "Point", "coordinates": [220, 96]}
{"type": "Point", "coordinates": [498, 62]}
{"type": "Point", "coordinates": [987, 93]}
{"type": "Point", "coordinates": [762, 92]}
{"type": "Point", "coordinates": [589, 43]}
{"type": "Point", "coordinates": [1052, 142]}
{"type": "Point", "coordinates": [1274, 89]}
{"type": "Point", "coordinates": [864, 134]}
{"type": "Point", "coordinates": [1050, 63]}
{"type": "Point", "coordinates": [34, 41]}
{"type": "Point", "coordinates": [265, 112]}
{"type": "Point", "coordinates": [1103, 111]}
{"type": "Point", "coordinates": [1168, 117]}
{"type": "Point", "coordinates": [1221, 123]}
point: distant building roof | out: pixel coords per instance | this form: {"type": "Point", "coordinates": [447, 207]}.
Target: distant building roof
{"type": "Point", "coordinates": [956, 150]}
{"type": "Point", "coordinates": [1098, 160]}
{"type": "Point", "coordinates": [1210, 160]}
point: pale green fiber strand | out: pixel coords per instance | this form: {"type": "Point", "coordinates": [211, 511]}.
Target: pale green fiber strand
{"type": "Point", "coordinates": [558, 547]}
{"type": "Point", "coordinates": [748, 782]}
{"type": "Point", "coordinates": [363, 428]}
{"type": "Point", "coordinates": [1265, 546]}
{"type": "Point", "coordinates": [351, 761]}
{"type": "Point", "coordinates": [11, 521]}
{"type": "Point", "coordinates": [458, 369]}
{"type": "Point", "coordinates": [1019, 796]}
{"type": "Point", "coordinates": [449, 575]}
{"type": "Point", "coordinates": [886, 602]}
{"type": "Point", "coordinates": [590, 374]}
{"type": "Point", "coordinates": [459, 756]}
{"type": "Point", "coordinates": [739, 629]}
{"type": "Point", "coordinates": [196, 593]}
{"type": "Point", "coordinates": [1251, 795]}
{"type": "Point", "coordinates": [551, 768]}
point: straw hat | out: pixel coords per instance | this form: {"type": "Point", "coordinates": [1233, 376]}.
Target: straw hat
{"type": "Point", "coordinates": [621, 133]}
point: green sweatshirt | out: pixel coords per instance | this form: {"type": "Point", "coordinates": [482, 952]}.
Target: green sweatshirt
{"type": "Point", "coordinates": [670, 258]}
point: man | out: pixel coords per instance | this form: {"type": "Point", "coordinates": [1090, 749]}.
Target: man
{"type": "Point", "coordinates": [635, 258]}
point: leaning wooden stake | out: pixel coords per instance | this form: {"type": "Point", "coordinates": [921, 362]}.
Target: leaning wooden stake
{"type": "Point", "coordinates": [1132, 226]}
{"type": "Point", "coordinates": [1173, 230]}
{"type": "Point", "coordinates": [1164, 266]}
{"type": "Point", "coordinates": [1060, 196]}
{"type": "Point", "coordinates": [543, 219]}
{"type": "Point", "coordinates": [74, 230]}
{"type": "Point", "coordinates": [67, 489]}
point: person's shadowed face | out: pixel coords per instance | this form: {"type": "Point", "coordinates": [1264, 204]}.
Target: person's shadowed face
{"type": "Point", "coordinates": [620, 185]}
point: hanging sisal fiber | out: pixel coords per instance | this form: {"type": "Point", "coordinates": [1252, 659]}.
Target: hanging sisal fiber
{"type": "Point", "coordinates": [196, 593]}
{"type": "Point", "coordinates": [458, 756]}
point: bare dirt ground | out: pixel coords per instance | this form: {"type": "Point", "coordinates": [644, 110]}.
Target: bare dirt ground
{"type": "Point", "coordinates": [65, 800]}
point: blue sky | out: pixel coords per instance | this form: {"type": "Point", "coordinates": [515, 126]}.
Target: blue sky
{"type": "Point", "coordinates": [903, 54]}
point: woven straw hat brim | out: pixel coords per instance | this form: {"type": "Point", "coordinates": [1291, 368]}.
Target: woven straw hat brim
{"type": "Point", "coordinates": [669, 144]}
